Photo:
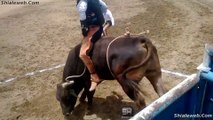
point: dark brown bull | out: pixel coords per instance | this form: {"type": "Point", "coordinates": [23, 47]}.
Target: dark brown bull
{"type": "Point", "coordinates": [127, 59]}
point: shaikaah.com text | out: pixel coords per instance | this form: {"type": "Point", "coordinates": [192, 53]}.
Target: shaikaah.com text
{"type": "Point", "coordinates": [5, 2]}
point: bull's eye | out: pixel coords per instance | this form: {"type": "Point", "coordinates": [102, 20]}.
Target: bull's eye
{"type": "Point", "coordinates": [72, 92]}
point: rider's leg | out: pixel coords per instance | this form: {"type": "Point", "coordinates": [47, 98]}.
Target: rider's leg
{"type": "Point", "coordinates": [86, 46]}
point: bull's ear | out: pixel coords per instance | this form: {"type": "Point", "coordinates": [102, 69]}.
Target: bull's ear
{"type": "Point", "coordinates": [66, 84]}
{"type": "Point", "coordinates": [58, 92]}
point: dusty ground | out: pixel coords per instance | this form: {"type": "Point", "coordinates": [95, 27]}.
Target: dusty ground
{"type": "Point", "coordinates": [34, 37]}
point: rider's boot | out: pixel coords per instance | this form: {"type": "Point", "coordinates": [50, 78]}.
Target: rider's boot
{"type": "Point", "coordinates": [93, 75]}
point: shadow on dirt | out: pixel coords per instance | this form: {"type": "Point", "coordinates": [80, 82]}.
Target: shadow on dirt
{"type": "Point", "coordinates": [105, 109]}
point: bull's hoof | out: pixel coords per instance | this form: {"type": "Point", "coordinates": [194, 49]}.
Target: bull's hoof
{"type": "Point", "coordinates": [89, 110]}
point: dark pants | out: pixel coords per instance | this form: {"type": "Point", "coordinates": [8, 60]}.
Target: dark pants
{"type": "Point", "coordinates": [97, 35]}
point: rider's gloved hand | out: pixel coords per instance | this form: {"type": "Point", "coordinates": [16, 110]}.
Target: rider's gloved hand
{"type": "Point", "coordinates": [84, 28]}
{"type": "Point", "coordinates": [85, 31]}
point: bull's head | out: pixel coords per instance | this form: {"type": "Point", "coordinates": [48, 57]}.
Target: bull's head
{"type": "Point", "coordinates": [66, 96]}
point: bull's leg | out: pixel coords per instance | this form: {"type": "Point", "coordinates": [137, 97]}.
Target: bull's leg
{"type": "Point", "coordinates": [90, 95]}
{"type": "Point", "coordinates": [131, 88]}
{"type": "Point", "coordinates": [83, 96]}
{"type": "Point", "coordinates": [155, 79]}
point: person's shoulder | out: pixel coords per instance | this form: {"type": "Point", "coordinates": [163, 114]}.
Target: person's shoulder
{"type": "Point", "coordinates": [82, 5]}
{"type": "Point", "coordinates": [82, 1]}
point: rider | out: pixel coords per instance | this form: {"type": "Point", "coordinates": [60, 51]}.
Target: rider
{"type": "Point", "coordinates": [92, 20]}
{"type": "Point", "coordinates": [109, 20]}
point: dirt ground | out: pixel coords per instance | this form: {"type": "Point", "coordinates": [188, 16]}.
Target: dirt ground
{"type": "Point", "coordinates": [34, 37]}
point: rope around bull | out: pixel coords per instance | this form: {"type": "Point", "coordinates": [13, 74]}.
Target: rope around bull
{"type": "Point", "coordinates": [126, 34]}
{"type": "Point", "coordinates": [107, 55]}
{"type": "Point", "coordinates": [76, 76]}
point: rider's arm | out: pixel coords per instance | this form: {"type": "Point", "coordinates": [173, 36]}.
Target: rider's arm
{"type": "Point", "coordinates": [82, 7]}
{"type": "Point", "coordinates": [110, 17]}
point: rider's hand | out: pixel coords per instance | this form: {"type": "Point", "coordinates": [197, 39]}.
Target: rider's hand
{"type": "Point", "coordinates": [85, 31]}
{"type": "Point", "coordinates": [84, 28]}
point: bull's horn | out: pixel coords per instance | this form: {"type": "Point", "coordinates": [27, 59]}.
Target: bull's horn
{"type": "Point", "coordinates": [65, 84]}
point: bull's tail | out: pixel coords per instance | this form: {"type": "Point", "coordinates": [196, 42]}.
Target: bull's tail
{"type": "Point", "coordinates": [149, 47]}
{"type": "Point", "coordinates": [131, 87]}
